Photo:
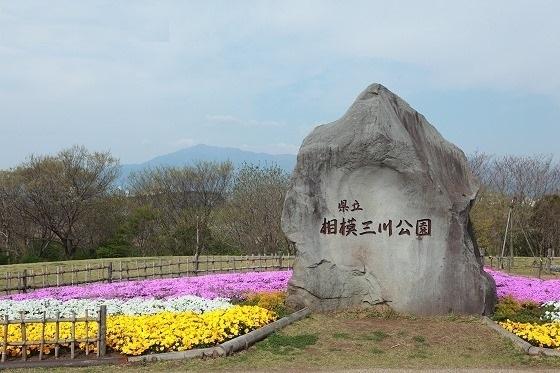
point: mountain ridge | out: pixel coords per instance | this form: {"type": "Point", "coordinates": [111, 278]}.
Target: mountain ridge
{"type": "Point", "coordinates": [201, 152]}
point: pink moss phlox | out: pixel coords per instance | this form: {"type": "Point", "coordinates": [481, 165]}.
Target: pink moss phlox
{"type": "Point", "coordinates": [525, 288]}
{"type": "Point", "coordinates": [231, 285]}
{"type": "Point", "coordinates": [236, 285]}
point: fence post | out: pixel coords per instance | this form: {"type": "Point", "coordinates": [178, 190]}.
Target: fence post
{"type": "Point", "coordinates": [31, 283]}
{"type": "Point", "coordinates": [73, 336]}
{"type": "Point", "coordinates": [43, 326]}
{"type": "Point", "coordinates": [280, 261]}
{"type": "Point", "coordinates": [87, 333]}
{"type": "Point", "coordinates": [56, 334]}
{"type": "Point", "coordinates": [23, 338]}
{"type": "Point", "coordinates": [196, 264]}
{"type": "Point", "coordinates": [110, 272]}
{"type": "Point", "coordinates": [102, 331]}
{"type": "Point", "coordinates": [24, 281]}
{"type": "Point", "coordinates": [5, 344]}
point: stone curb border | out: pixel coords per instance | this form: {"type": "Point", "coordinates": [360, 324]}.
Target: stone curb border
{"type": "Point", "coordinates": [55, 363]}
{"type": "Point", "coordinates": [518, 341]}
{"type": "Point", "coordinates": [229, 347]}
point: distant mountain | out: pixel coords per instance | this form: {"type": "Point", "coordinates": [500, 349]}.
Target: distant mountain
{"type": "Point", "coordinates": [190, 155]}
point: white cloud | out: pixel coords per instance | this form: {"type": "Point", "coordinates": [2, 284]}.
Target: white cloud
{"type": "Point", "coordinates": [184, 143]}
{"type": "Point", "coordinates": [220, 119]}
{"type": "Point", "coordinates": [113, 74]}
{"type": "Point", "coordinates": [277, 148]}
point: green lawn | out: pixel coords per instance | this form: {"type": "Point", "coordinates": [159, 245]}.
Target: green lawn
{"type": "Point", "coordinates": [524, 266]}
{"type": "Point", "coordinates": [363, 340]}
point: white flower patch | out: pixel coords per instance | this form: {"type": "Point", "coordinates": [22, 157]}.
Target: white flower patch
{"type": "Point", "coordinates": [553, 312]}
{"type": "Point", "coordinates": [33, 308]}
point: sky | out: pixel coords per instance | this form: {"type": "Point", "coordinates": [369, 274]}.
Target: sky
{"type": "Point", "coordinates": [145, 78]}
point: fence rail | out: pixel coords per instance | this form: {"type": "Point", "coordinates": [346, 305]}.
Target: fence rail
{"type": "Point", "coordinates": [99, 339]}
{"type": "Point", "coordinates": [126, 269]}
{"type": "Point", "coordinates": [529, 266]}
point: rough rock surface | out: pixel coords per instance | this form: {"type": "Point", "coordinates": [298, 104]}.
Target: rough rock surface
{"type": "Point", "coordinates": [378, 209]}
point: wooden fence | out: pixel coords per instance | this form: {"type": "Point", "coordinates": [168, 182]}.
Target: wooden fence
{"type": "Point", "coordinates": [126, 269]}
{"type": "Point", "coordinates": [24, 345]}
{"type": "Point", "coordinates": [529, 266]}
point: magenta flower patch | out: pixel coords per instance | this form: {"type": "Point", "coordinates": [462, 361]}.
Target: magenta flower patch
{"type": "Point", "coordinates": [525, 288]}
{"type": "Point", "coordinates": [231, 285]}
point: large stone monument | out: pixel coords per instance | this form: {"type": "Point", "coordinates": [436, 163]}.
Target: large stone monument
{"type": "Point", "coordinates": [378, 209]}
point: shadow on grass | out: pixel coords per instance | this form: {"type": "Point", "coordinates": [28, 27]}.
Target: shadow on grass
{"type": "Point", "coordinates": [376, 336]}
{"type": "Point", "coordinates": [282, 344]}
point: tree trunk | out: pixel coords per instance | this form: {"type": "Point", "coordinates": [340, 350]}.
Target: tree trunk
{"type": "Point", "coordinates": [69, 248]}
{"type": "Point", "coordinates": [44, 245]}
{"type": "Point", "coordinates": [197, 248]}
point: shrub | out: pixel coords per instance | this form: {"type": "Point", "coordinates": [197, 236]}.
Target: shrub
{"type": "Point", "coordinates": [274, 301]}
{"type": "Point", "coordinates": [524, 312]}
{"type": "Point", "coordinates": [113, 251]}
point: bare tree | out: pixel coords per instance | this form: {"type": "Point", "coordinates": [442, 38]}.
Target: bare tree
{"type": "Point", "coordinates": [524, 179]}
{"type": "Point", "coordinates": [185, 196]}
{"type": "Point", "coordinates": [251, 218]}
{"type": "Point", "coordinates": [546, 222]}
{"type": "Point", "coordinates": [56, 193]}
{"type": "Point", "coordinates": [481, 166]}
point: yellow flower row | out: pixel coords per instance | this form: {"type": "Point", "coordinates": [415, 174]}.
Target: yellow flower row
{"type": "Point", "coordinates": [545, 335]}
{"type": "Point", "coordinates": [166, 331]}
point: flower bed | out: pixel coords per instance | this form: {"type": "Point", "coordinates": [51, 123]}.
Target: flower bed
{"type": "Point", "coordinates": [228, 285]}
{"type": "Point", "coordinates": [34, 308]}
{"type": "Point", "coordinates": [541, 335]}
{"type": "Point", "coordinates": [552, 312]}
{"type": "Point", "coordinates": [525, 288]}
{"type": "Point", "coordinates": [153, 315]}
{"type": "Point", "coordinates": [164, 331]}
{"type": "Point", "coordinates": [529, 308]}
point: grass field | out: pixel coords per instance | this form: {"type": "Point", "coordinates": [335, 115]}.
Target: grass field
{"type": "Point", "coordinates": [524, 266]}
{"type": "Point", "coordinates": [363, 340]}
{"type": "Point", "coordinates": [77, 263]}
{"type": "Point", "coordinates": [521, 265]}
{"type": "Point", "coordinates": [94, 262]}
